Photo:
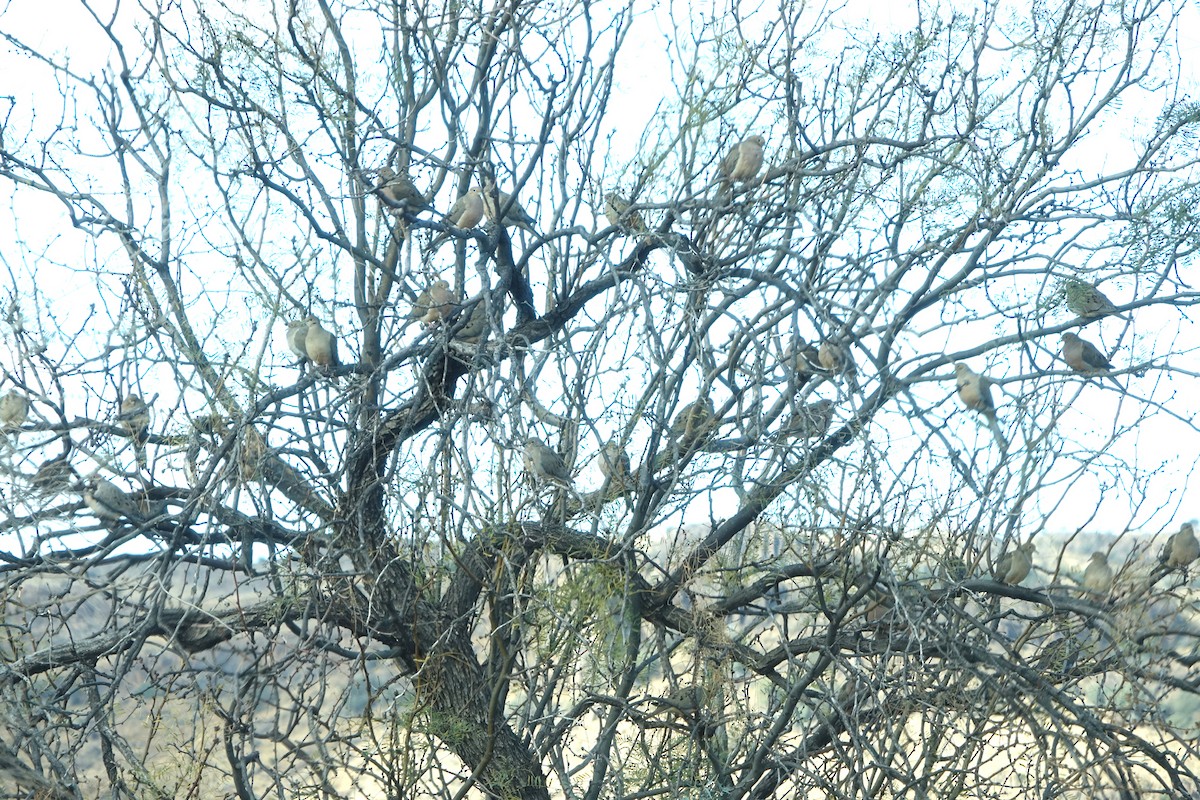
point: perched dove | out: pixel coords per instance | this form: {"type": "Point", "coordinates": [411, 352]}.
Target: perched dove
{"type": "Point", "coordinates": [1014, 567]}
{"type": "Point", "coordinates": [321, 346]}
{"type": "Point", "coordinates": [1098, 577]}
{"type": "Point", "coordinates": [805, 360]}
{"type": "Point", "coordinates": [476, 323]}
{"type": "Point", "coordinates": [614, 464]}
{"type": "Point", "coordinates": [810, 421]}
{"type": "Point", "coordinates": [297, 330]}
{"type": "Point", "coordinates": [1087, 301]}
{"type": "Point", "coordinates": [1181, 549]}
{"type": "Point", "coordinates": [687, 699]}
{"type": "Point", "coordinates": [14, 410]}
{"type": "Point", "coordinates": [694, 423]}
{"type": "Point", "coordinates": [434, 304]}
{"type": "Point", "coordinates": [397, 191]}
{"type": "Point", "coordinates": [108, 502]}
{"type": "Point", "coordinates": [743, 161]}
{"type": "Point", "coordinates": [467, 211]}
{"type": "Point", "coordinates": [975, 390]}
{"type": "Point", "coordinates": [1083, 356]}
{"type": "Point", "coordinates": [618, 212]}
{"type": "Point", "coordinates": [514, 214]}
{"type": "Point", "coordinates": [134, 417]}
{"type": "Point", "coordinates": [544, 464]}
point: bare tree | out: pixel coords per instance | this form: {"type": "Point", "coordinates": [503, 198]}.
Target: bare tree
{"type": "Point", "coordinates": [770, 548]}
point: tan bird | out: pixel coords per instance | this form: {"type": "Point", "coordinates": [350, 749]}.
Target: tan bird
{"type": "Point", "coordinates": [466, 213]}
{"type": "Point", "coordinates": [544, 464]}
{"type": "Point", "coordinates": [618, 212]}
{"type": "Point", "coordinates": [54, 475]}
{"type": "Point", "coordinates": [476, 325]}
{"type": "Point", "coordinates": [14, 410]}
{"type": "Point", "coordinates": [1014, 567]}
{"type": "Point", "coordinates": [297, 330]}
{"type": "Point", "coordinates": [1083, 356]}
{"type": "Point", "coordinates": [1087, 301]}
{"type": "Point", "coordinates": [686, 699]}
{"type": "Point", "coordinates": [810, 421]}
{"type": "Point", "coordinates": [514, 214]}
{"type": "Point", "coordinates": [397, 191]}
{"type": "Point", "coordinates": [108, 502]}
{"type": "Point", "coordinates": [1098, 577]}
{"type": "Point", "coordinates": [134, 417]}
{"type": "Point", "coordinates": [614, 464]}
{"type": "Point", "coordinates": [434, 304]}
{"type": "Point", "coordinates": [1181, 549]}
{"type": "Point", "coordinates": [743, 161]}
{"type": "Point", "coordinates": [694, 423]}
{"type": "Point", "coordinates": [321, 346]}
{"type": "Point", "coordinates": [975, 391]}
{"type": "Point", "coordinates": [805, 360]}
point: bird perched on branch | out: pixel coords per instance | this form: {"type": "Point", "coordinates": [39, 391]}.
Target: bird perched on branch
{"type": "Point", "coordinates": [321, 346]}
{"type": "Point", "coordinates": [742, 163]}
{"type": "Point", "coordinates": [1084, 357]}
{"type": "Point", "coordinates": [134, 417]}
{"type": "Point", "coordinates": [14, 410]}
{"type": "Point", "coordinates": [804, 360]}
{"type": "Point", "coordinates": [618, 212]}
{"type": "Point", "coordinates": [54, 475]}
{"type": "Point", "coordinates": [477, 322]}
{"type": "Point", "coordinates": [1098, 577]}
{"type": "Point", "coordinates": [693, 424]}
{"type": "Point", "coordinates": [975, 391]}
{"type": "Point", "coordinates": [109, 503]}
{"type": "Point", "coordinates": [614, 464]}
{"type": "Point", "coordinates": [1087, 301]}
{"type": "Point", "coordinates": [1181, 549]}
{"type": "Point", "coordinates": [810, 421]}
{"type": "Point", "coordinates": [434, 304]}
{"type": "Point", "coordinates": [514, 214]}
{"type": "Point", "coordinates": [297, 330]}
{"type": "Point", "coordinates": [397, 192]}
{"type": "Point", "coordinates": [544, 464]}
{"type": "Point", "coordinates": [466, 213]}
{"type": "Point", "coordinates": [1014, 567]}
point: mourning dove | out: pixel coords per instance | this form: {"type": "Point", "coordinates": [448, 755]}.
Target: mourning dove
{"type": "Point", "coordinates": [397, 191]}
{"type": "Point", "coordinates": [514, 214]}
{"type": "Point", "coordinates": [297, 330]}
{"type": "Point", "coordinates": [810, 421]}
{"type": "Point", "coordinates": [14, 410]}
{"type": "Point", "coordinates": [544, 464]}
{"type": "Point", "coordinates": [1014, 567]}
{"type": "Point", "coordinates": [108, 502]}
{"type": "Point", "coordinates": [1098, 577]}
{"type": "Point", "coordinates": [614, 464]}
{"type": "Point", "coordinates": [836, 360]}
{"type": "Point", "coordinates": [693, 423]}
{"type": "Point", "coordinates": [476, 324]}
{"type": "Point", "coordinates": [1083, 357]}
{"type": "Point", "coordinates": [805, 360]}
{"type": "Point", "coordinates": [434, 304]}
{"type": "Point", "coordinates": [1181, 549]}
{"type": "Point", "coordinates": [134, 417]}
{"type": "Point", "coordinates": [1087, 301]}
{"type": "Point", "coordinates": [618, 212]}
{"type": "Point", "coordinates": [687, 699]}
{"type": "Point", "coordinates": [743, 161]}
{"type": "Point", "coordinates": [466, 213]}
{"type": "Point", "coordinates": [975, 390]}
{"type": "Point", "coordinates": [321, 346]}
